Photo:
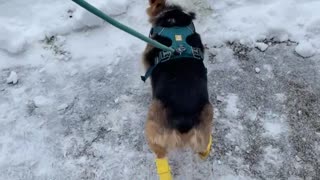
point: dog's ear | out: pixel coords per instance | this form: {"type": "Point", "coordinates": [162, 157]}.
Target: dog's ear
{"type": "Point", "coordinates": [193, 15]}
{"type": "Point", "coordinates": [155, 7]}
{"type": "Point", "coordinates": [152, 1]}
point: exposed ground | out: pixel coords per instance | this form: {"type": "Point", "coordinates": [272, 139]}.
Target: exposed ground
{"type": "Point", "coordinates": [89, 124]}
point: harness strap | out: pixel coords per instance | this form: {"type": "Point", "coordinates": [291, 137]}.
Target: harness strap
{"type": "Point", "coordinates": [178, 36]}
{"type": "Point", "coordinates": [197, 55]}
{"type": "Point", "coordinates": [159, 29]}
{"type": "Point", "coordinates": [148, 73]}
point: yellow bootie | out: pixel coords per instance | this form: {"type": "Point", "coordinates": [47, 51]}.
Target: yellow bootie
{"type": "Point", "coordinates": [204, 155]}
{"type": "Point", "coordinates": [163, 169]}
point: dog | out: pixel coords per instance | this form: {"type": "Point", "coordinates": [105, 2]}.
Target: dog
{"type": "Point", "coordinates": [180, 114]}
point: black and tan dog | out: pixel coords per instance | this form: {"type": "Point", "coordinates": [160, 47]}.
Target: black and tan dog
{"type": "Point", "coordinates": [180, 114]}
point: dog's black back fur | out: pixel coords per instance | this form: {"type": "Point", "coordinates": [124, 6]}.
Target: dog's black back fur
{"type": "Point", "coordinates": [181, 85]}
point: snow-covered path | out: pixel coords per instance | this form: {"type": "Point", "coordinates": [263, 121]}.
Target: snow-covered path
{"type": "Point", "coordinates": [78, 108]}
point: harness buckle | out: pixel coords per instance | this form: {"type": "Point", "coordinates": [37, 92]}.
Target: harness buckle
{"type": "Point", "coordinates": [181, 49]}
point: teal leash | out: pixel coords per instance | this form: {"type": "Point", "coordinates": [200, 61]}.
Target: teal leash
{"type": "Point", "coordinates": [123, 27]}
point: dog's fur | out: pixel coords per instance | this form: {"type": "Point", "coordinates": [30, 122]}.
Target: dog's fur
{"type": "Point", "coordinates": [180, 113]}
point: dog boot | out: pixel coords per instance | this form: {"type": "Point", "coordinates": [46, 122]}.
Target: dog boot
{"type": "Point", "coordinates": [163, 169]}
{"type": "Point", "coordinates": [204, 155]}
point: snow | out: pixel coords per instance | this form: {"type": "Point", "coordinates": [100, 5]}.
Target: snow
{"type": "Point", "coordinates": [275, 125]}
{"type": "Point", "coordinates": [13, 78]}
{"type": "Point", "coordinates": [113, 8]}
{"type": "Point", "coordinates": [272, 157]}
{"type": "Point", "coordinates": [258, 70]}
{"type": "Point", "coordinates": [262, 46]}
{"type": "Point", "coordinates": [280, 97]}
{"type": "Point", "coordinates": [63, 107]}
{"type": "Point", "coordinates": [72, 105]}
{"type": "Point", "coordinates": [232, 109]}
{"type": "Point", "coordinates": [186, 4]}
{"type": "Point", "coordinates": [268, 71]}
{"type": "Point", "coordinates": [305, 49]}
{"type": "Point", "coordinates": [258, 20]}
{"type": "Point", "coordinates": [41, 101]}
{"type": "Point", "coordinates": [15, 45]}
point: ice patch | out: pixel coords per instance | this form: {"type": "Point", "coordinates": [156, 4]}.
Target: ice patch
{"type": "Point", "coordinates": [236, 135]}
{"type": "Point", "coordinates": [274, 125]}
{"type": "Point", "coordinates": [231, 108]}
{"type": "Point", "coordinates": [272, 157]}
{"type": "Point", "coordinates": [269, 71]}
{"type": "Point", "coordinates": [233, 177]}
{"type": "Point", "coordinates": [42, 101]}
{"type": "Point", "coordinates": [280, 97]}
{"type": "Point", "coordinates": [273, 129]}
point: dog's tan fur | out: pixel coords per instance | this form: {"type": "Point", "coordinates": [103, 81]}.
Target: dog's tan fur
{"type": "Point", "coordinates": [144, 60]}
{"type": "Point", "coordinates": [160, 137]}
{"type": "Point", "coordinates": [156, 6]}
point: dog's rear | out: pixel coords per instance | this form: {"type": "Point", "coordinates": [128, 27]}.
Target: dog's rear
{"type": "Point", "coordinates": [180, 114]}
{"type": "Point", "coordinates": [181, 86]}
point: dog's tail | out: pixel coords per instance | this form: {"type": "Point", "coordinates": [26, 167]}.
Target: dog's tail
{"type": "Point", "coordinates": [183, 123]}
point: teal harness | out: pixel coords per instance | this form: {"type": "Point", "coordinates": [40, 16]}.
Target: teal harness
{"type": "Point", "coordinates": [178, 37]}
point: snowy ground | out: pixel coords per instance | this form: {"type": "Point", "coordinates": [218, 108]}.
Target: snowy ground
{"type": "Point", "coordinates": [72, 105]}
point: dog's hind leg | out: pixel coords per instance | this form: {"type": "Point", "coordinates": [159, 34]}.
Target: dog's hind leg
{"type": "Point", "coordinates": [201, 140]}
{"type": "Point", "coordinates": [156, 145]}
{"type": "Point", "coordinates": [156, 137]}
{"type": "Point", "coordinates": [204, 154]}
{"type": "Point", "coordinates": [163, 167]}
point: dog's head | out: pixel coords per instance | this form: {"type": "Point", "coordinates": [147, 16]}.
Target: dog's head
{"type": "Point", "coordinates": [156, 6]}
{"type": "Point", "coordinates": [180, 10]}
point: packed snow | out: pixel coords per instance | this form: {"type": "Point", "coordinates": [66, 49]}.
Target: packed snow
{"type": "Point", "coordinates": [13, 78]}
{"type": "Point", "coordinates": [305, 49]}
{"type": "Point", "coordinates": [262, 46]}
{"type": "Point", "coordinates": [72, 105]}
{"type": "Point", "coordinates": [258, 70]}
